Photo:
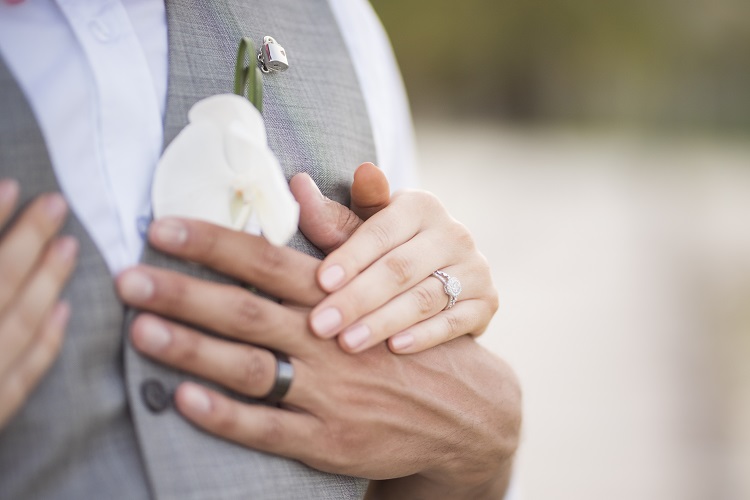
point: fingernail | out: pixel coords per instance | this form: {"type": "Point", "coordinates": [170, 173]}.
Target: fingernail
{"type": "Point", "coordinates": [356, 336]}
{"type": "Point", "coordinates": [8, 191]}
{"type": "Point", "coordinates": [402, 341]}
{"type": "Point", "coordinates": [169, 232]}
{"type": "Point", "coordinates": [55, 206]}
{"type": "Point", "coordinates": [136, 286]}
{"type": "Point", "coordinates": [331, 277]}
{"type": "Point", "coordinates": [154, 336]}
{"type": "Point", "coordinates": [66, 248]}
{"type": "Point", "coordinates": [196, 399]}
{"type": "Point", "coordinates": [326, 322]}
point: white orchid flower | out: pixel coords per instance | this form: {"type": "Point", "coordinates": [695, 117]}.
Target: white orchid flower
{"type": "Point", "coordinates": [220, 169]}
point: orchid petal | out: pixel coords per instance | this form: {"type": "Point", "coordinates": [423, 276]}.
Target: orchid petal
{"type": "Point", "coordinates": [192, 178]}
{"type": "Point", "coordinates": [224, 109]}
{"type": "Point", "coordinates": [275, 207]}
{"type": "Point", "coordinates": [245, 156]}
{"type": "Point", "coordinates": [278, 215]}
{"type": "Point", "coordinates": [221, 170]}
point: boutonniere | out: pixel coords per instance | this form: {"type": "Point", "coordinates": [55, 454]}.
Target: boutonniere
{"type": "Point", "coordinates": [220, 169]}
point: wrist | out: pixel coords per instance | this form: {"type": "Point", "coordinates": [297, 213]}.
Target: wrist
{"type": "Point", "coordinates": [421, 486]}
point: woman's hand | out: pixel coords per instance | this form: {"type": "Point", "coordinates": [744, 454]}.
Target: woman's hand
{"type": "Point", "coordinates": [381, 280]}
{"type": "Point", "coordinates": [34, 267]}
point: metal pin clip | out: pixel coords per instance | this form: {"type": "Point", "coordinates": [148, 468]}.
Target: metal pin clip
{"type": "Point", "coordinates": [272, 56]}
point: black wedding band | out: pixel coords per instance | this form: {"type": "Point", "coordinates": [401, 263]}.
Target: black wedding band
{"type": "Point", "coordinates": [284, 376]}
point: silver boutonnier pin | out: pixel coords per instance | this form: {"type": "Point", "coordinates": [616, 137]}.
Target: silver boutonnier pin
{"type": "Point", "coordinates": [272, 56]}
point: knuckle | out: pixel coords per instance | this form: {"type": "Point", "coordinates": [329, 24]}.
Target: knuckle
{"type": "Point", "coordinates": [271, 262]}
{"type": "Point", "coordinates": [203, 241]}
{"type": "Point", "coordinates": [253, 369]}
{"type": "Point", "coordinates": [169, 289]}
{"type": "Point", "coordinates": [463, 236]}
{"type": "Point", "coordinates": [494, 300]}
{"type": "Point", "coordinates": [484, 264]}
{"type": "Point", "coordinates": [247, 310]}
{"type": "Point", "coordinates": [401, 196]}
{"type": "Point", "coordinates": [347, 221]}
{"type": "Point", "coordinates": [401, 268]}
{"type": "Point", "coordinates": [227, 418]}
{"type": "Point", "coordinates": [188, 348]}
{"type": "Point", "coordinates": [427, 201]}
{"type": "Point", "coordinates": [339, 443]}
{"type": "Point", "coordinates": [381, 238]}
{"type": "Point", "coordinates": [426, 299]}
{"type": "Point", "coordinates": [271, 431]}
{"type": "Point", "coordinates": [452, 324]}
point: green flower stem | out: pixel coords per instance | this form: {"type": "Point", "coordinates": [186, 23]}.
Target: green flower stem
{"type": "Point", "coordinates": [248, 78]}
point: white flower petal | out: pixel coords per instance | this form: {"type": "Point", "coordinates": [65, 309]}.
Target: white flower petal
{"type": "Point", "coordinates": [192, 177]}
{"type": "Point", "coordinates": [253, 226]}
{"type": "Point", "coordinates": [220, 169]}
{"type": "Point", "coordinates": [278, 215]}
{"type": "Point", "coordinates": [210, 205]}
{"type": "Point", "coordinates": [276, 208]}
{"type": "Point", "coordinates": [245, 155]}
{"type": "Point", "coordinates": [223, 109]}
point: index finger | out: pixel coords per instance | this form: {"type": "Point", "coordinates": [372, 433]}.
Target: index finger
{"type": "Point", "coordinates": [282, 272]}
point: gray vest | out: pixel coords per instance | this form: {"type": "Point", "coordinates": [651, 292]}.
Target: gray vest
{"type": "Point", "coordinates": [101, 424]}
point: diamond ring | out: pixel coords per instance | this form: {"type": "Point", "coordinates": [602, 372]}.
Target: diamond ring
{"type": "Point", "coordinates": [451, 286]}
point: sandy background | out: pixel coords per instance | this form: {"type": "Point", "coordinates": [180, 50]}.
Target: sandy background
{"type": "Point", "coordinates": [623, 265]}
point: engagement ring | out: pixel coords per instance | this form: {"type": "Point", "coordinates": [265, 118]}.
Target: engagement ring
{"type": "Point", "coordinates": [451, 286]}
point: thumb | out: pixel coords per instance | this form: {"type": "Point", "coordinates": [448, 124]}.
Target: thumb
{"type": "Point", "coordinates": [370, 191]}
{"type": "Point", "coordinates": [326, 223]}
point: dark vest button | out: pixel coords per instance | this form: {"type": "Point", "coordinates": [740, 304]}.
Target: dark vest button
{"type": "Point", "coordinates": [155, 396]}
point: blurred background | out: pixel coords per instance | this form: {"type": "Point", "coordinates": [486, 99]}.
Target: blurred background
{"type": "Point", "coordinates": [600, 152]}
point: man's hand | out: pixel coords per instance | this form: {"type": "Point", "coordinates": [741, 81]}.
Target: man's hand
{"type": "Point", "coordinates": [445, 421]}
{"type": "Point", "coordinates": [34, 267]}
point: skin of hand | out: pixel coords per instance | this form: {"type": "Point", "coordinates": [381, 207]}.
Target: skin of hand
{"type": "Point", "coordinates": [443, 423]}
{"type": "Point", "coordinates": [379, 275]}
{"type": "Point", "coordinates": [328, 224]}
{"type": "Point", "coordinates": [34, 267]}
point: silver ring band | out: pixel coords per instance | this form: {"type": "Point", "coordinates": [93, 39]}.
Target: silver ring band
{"type": "Point", "coordinates": [283, 380]}
{"type": "Point", "coordinates": [451, 287]}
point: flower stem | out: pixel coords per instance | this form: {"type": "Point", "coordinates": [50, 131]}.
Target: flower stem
{"type": "Point", "coordinates": [248, 78]}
